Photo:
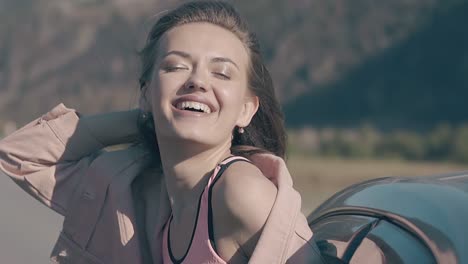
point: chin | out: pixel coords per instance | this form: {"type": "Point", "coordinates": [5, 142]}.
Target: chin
{"type": "Point", "coordinates": [194, 135]}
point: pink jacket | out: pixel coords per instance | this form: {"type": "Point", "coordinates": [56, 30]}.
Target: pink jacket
{"type": "Point", "coordinates": [113, 216]}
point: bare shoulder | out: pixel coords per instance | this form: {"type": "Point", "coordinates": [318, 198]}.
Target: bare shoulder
{"type": "Point", "coordinates": [242, 200]}
{"type": "Point", "coordinates": [242, 188]}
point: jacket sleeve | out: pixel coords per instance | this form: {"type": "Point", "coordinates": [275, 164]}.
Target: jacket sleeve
{"type": "Point", "coordinates": [47, 156]}
{"type": "Point", "coordinates": [302, 248]}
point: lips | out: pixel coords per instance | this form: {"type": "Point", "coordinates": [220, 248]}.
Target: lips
{"type": "Point", "coordinates": [194, 103]}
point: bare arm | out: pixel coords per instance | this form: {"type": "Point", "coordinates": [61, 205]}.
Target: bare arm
{"type": "Point", "coordinates": [242, 201]}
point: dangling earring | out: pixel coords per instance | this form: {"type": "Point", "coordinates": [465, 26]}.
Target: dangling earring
{"type": "Point", "coordinates": [240, 130]}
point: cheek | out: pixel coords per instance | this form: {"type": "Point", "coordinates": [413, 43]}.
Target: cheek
{"type": "Point", "coordinates": [155, 95]}
{"type": "Point", "coordinates": [161, 90]}
{"type": "Point", "coordinates": [233, 97]}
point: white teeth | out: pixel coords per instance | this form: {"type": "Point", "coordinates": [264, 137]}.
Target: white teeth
{"type": "Point", "coordinates": [193, 105]}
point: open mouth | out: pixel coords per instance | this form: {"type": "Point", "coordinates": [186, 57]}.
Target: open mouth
{"type": "Point", "coordinates": [193, 106]}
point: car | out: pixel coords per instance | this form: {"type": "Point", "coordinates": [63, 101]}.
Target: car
{"type": "Point", "coordinates": [396, 220]}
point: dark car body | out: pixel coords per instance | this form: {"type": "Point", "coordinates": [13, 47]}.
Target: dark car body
{"type": "Point", "coordinates": [396, 220]}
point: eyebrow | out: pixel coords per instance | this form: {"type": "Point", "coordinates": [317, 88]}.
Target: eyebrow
{"type": "Point", "coordinates": [179, 53]}
{"type": "Point", "coordinates": [187, 56]}
{"type": "Point", "coordinates": [223, 59]}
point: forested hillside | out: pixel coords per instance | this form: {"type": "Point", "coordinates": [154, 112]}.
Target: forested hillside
{"type": "Point", "coordinates": [416, 84]}
{"type": "Point", "coordinates": [334, 62]}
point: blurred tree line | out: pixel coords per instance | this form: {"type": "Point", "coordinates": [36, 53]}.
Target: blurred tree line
{"type": "Point", "coordinates": [443, 143]}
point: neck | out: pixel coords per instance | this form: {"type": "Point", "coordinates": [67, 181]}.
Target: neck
{"type": "Point", "coordinates": [187, 168]}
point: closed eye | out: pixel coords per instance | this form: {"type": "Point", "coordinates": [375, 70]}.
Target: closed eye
{"type": "Point", "coordinates": [222, 75]}
{"type": "Point", "coordinates": [174, 68]}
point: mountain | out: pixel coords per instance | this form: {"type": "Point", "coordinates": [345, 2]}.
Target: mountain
{"type": "Point", "coordinates": [83, 53]}
{"type": "Point", "coordinates": [415, 84]}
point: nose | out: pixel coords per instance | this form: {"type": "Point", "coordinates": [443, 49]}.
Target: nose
{"type": "Point", "coordinates": [196, 82]}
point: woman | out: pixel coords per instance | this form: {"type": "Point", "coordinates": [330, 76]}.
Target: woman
{"type": "Point", "coordinates": [206, 185]}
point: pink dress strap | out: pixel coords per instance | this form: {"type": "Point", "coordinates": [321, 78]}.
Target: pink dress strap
{"type": "Point", "coordinates": [201, 246]}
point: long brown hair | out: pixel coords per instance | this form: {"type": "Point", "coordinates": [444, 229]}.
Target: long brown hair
{"type": "Point", "coordinates": [265, 132]}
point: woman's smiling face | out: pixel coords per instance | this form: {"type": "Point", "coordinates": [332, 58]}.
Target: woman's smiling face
{"type": "Point", "coordinates": [199, 89]}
